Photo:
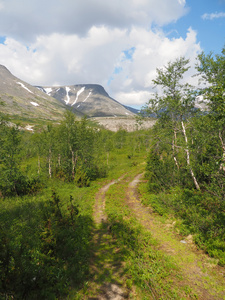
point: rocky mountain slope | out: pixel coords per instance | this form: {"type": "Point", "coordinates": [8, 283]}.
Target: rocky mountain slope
{"type": "Point", "coordinates": [25, 102]}
{"type": "Point", "coordinates": [89, 99]}
{"type": "Point", "coordinates": [20, 99]}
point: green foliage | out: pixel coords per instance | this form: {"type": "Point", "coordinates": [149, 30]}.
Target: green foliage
{"type": "Point", "coordinates": [43, 249]}
{"type": "Point", "coordinates": [188, 150]}
{"type": "Point", "coordinates": [81, 179]}
{"type": "Point", "coordinates": [212, 70]}
{"type": "Point", "coordinates": [201, 215]}
{"type": "Point", "coordinates": [177, 99]}
{"type": "Point", "coordinates": [13, 181]}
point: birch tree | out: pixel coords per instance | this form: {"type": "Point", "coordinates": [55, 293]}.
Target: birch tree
{"type": "Point", "coordinates": [212, 70]}
{"type": "Point", "coordinates": [173, 105]}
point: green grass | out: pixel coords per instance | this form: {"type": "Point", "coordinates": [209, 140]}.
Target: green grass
{"type": "Point", "coordinates": [199, 214]}
{"type": "Point", "coordinates": [45, 248]}
{"type": "Point", "coordinates": [153, 274]}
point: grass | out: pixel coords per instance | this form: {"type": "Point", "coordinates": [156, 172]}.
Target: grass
{"type": "Point", "coordinates": [153, 274]}
{"type": "Point", "coordinates": [45, 241]}
{"type": "Point", "coordinates": [169, 229]}
{"type": "Point", "coordinates": [199, 214]}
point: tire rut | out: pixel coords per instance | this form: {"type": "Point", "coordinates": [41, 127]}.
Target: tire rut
{"type": "Point", "coordinates": [197, 268]}
{"type": "Point", "coordinates": [110, 271]}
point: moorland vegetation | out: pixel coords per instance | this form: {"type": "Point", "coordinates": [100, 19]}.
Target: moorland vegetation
{"type": "Point", "coordinates": [48, 180]}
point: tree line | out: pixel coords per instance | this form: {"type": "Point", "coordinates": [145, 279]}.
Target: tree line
{"type": "Point", "coordinates": [187, 155]}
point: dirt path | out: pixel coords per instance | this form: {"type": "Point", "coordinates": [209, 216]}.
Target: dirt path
{"type": "Point", "coordinates": [107, 262]}
{"type": "Point", "coordinates": [108, 275]}
{"type": "Point", "coordinates": [200, 272]}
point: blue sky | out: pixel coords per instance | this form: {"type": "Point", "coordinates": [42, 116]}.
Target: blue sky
{"type": "Point", "coordinates": [210, 29]}
{"type": "Point", "coordinates": [118, 44]}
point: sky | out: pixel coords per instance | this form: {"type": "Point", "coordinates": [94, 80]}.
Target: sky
{"type": "Point", "coordinates": [117, 44]}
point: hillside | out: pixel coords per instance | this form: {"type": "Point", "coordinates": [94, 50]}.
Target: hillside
{"type": "Point", "coordinates": [30, 104]}
{"type": "Point", "coordinates": [24, 101]}
{"type": "Point", "coordinates": [89, 99]}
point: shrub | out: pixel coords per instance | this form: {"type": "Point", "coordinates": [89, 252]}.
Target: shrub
{"type": "Point", "coordinates": [40, 262]}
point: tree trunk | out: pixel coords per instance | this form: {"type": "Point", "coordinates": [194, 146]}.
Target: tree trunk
{"type": "Point", "coordinates": [59, 160]}
{"type": "Point", "coordinates": [73, 164]}
{"type": "Point", "coordinates": [173, 146]}
{"type": "Point", "coordinates": [188, 157]}
{"type": "Point", "coordinates": [49, 163]}
{"type": "Point", "coordinates": [39, 164]}
{"type": "Point", "coordinates": [222, 165]}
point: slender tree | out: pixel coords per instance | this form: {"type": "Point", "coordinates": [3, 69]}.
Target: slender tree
{"type": "Point", "coordinates": [212, 70]}
{"type": "Point", "coordinates": [174, 105]}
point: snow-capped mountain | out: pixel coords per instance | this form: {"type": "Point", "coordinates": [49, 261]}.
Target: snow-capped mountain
{"type": "Point", "coordinates": [26, 102]}
{"type": "Point", "coordinates": [89, 99]}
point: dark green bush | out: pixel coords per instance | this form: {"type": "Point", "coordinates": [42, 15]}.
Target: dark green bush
{"type": "Point", "coordinates": [40, 262]}
{"type": "Point", "coordinates": [20, 185]}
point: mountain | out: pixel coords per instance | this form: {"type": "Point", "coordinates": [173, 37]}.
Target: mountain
{"type": "Point", "coordinates": [89, 99]}
{"type": "Point", "coordinates": [24, 101]}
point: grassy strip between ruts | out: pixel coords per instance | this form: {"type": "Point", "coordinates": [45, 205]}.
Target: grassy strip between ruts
{"type": "Point", "coordinates": [150, 273]}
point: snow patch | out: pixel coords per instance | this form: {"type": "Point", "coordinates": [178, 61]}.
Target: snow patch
{"type": "Point", "coordinates": [78, 94]}
{"type": "Point", "coordinates": [34, 103]}
{"type": "Point", "coordinates": [87, 96]}
{"type": "Point", "coordinates": [67, 95]}
{"type": "Point", "coordinates": [23, 86]}
{"type": "Point", "coordinates": [48, 91]}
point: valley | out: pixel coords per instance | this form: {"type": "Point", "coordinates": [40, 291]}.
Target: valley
{"type": "Point", "coordinates": [101, 203]}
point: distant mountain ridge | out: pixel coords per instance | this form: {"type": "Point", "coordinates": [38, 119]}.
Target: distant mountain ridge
{"type": "Point", "coordinates": [21, 99]}
{"type": "Point", "coordinates": [89, 99]}
{"type": "Point", "coordinates": [24, 101]}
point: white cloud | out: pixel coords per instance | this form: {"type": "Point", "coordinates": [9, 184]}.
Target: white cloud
{"type": "Point", "coordinates": [213, 16]}
{"type": "Point", "coordinates": [135, 98]}
{"type": "Point", "coordinates": [60, 42]}
{"type": "Point", "coordinates": [1, 5]}
{"type": "Point", "coordinates": [70, 59]}
{"type": "Point", "coordinates": [40, 17]}
{"type": "Point", "coordinates": [152, 50]}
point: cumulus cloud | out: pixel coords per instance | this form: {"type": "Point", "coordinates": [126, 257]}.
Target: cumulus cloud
{"type": "Point", "coordinates": [39, 17]}
{"type": "Point", "coordinates": [110, 43]}
{"type": "Point", "coordinates": [124, 62]}
{"type": "Point", "coordinates": [213, 16]}
{"type": "Point", "coordinates": [153, 50]}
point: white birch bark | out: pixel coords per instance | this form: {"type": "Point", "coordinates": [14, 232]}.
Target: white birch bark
{"type": "Point", "coordinates": [173, 146]}
{"type": "Point", "coordinates": [222, 165]}
{"type": "Point", "coordinates": [188, 157]}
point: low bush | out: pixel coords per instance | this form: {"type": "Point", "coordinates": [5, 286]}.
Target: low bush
{"type": "Point", "coordinates": [43, 249]}
{"type": "Point", "coordinates": [20, 185]}
{"type": "Point", "coordinates": [200, 213]}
